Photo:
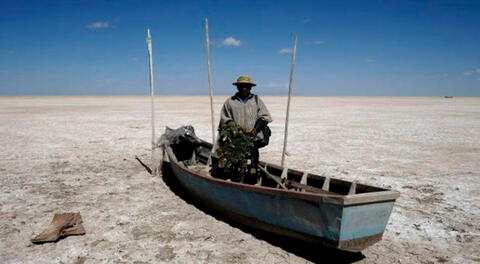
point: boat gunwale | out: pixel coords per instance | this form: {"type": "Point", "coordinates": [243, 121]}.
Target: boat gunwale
{"type": "Point", "coordinates": [346, 200]}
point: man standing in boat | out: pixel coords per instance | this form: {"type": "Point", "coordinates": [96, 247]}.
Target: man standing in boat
{"type": "Point", "coordinates": [249, 112]}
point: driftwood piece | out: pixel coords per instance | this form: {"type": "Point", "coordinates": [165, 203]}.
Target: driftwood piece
{"type": "Point", "coordinates": [62, 225]}
{"type": "Point", "coordinates": [144, 165]}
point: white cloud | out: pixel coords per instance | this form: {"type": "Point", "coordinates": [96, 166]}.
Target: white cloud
{"type": "Point", "coordinates": [317, 42]}
{"type": "Point", "coordinates": [285, 51]}
{"type": "Point", "coordinates": [370, 60]}
{"type": "Point", "coordinates": [471, 72]}
{"type": "Point", "coordinates": [231, 41]}
{"type": "Point", "coordinates": [99, 24]}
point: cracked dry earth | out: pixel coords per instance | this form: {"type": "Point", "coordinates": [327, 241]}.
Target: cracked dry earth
{"type": "Point", "coordinates": [62, 154]}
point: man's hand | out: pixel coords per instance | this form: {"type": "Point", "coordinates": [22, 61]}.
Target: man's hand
{"type": "Point", "coordinates": [231, 123]}
{"type": "Point", "coordinates": [254, 132]}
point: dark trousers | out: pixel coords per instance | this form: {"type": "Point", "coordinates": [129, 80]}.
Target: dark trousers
{"type": "Point", "coordinates": [255, 157]}
{"type": "Point", "coordinates": [252, 175]}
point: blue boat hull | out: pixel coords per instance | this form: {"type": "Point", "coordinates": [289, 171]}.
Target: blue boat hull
{"type": "Point", "coordinates": [318, 219]}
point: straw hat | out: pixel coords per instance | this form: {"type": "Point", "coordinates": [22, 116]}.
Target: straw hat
{"type": "Point", "coordinates": [244, 79]}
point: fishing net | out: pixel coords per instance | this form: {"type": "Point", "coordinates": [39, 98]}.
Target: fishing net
{"type": "Point", "coordinates": [234, 152]}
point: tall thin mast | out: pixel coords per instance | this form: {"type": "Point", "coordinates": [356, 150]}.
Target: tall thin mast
{"type": "Point", "coordinates": [149, 47]}
{"type": "Point", "coordinates": [290, 86]}
{"type": "Point", "coordinates": [210, 88]}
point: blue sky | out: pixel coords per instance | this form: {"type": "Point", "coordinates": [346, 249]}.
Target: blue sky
{"type": "Point", "coordinates": [367, 48]}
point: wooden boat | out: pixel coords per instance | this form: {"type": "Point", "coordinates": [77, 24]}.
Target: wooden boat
{"type": "Point", "coordinates": [332, 212]}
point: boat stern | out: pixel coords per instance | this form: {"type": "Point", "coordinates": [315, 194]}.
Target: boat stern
{"type": "Point", "coordinates": [363, 225]}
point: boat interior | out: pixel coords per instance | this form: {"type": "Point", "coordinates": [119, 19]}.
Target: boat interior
{"type": "Point", "coordinates": [195, 157]}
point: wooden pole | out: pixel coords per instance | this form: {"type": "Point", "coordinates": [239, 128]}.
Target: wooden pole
{"type": "Point", "coordinates": [210, 88]}
{"type": "Point", "coordinates": [290, 86]}
{"type": "Point", "coordinates": [150, 59]}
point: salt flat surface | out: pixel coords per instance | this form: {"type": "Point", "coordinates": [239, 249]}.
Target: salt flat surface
{"type": "Point", "coordinates": [77, 154]}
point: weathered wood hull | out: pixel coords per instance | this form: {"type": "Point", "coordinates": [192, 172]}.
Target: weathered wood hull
{"type": "Point", "coordinates": [347, 222]}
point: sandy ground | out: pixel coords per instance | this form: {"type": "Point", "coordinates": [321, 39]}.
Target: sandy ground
{"type": "Point", "coordinates": [77, 154]}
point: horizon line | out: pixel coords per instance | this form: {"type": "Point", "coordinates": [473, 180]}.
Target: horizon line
{"type": "Point", "coordinates": [199, 95]}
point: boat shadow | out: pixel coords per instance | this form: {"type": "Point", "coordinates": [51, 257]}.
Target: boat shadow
{"type": "Point", "coordinates": [309, 251]}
